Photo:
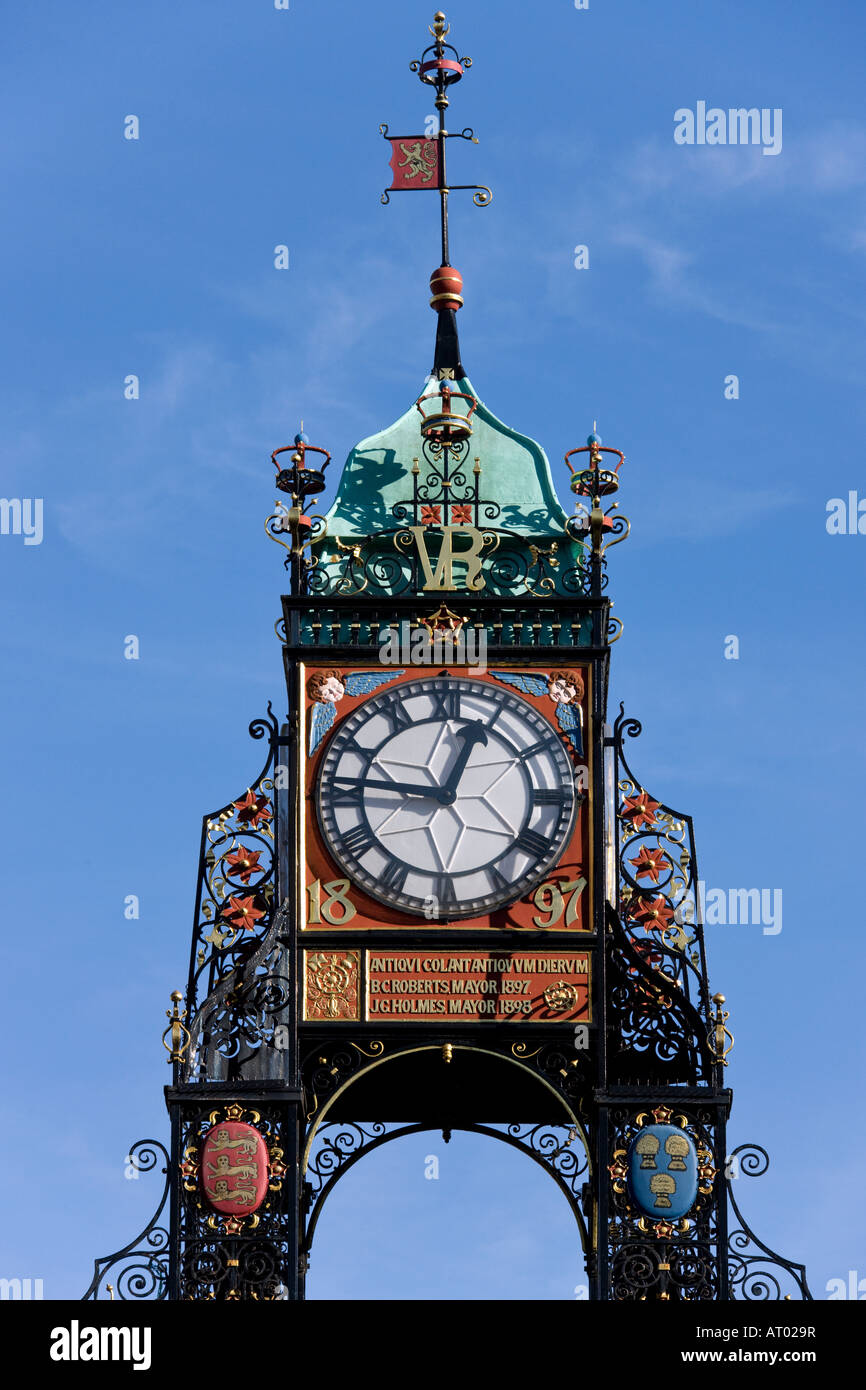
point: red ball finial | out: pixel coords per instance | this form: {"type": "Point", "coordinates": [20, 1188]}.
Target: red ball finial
{"type": "Point", "coordinates": [446, 284]}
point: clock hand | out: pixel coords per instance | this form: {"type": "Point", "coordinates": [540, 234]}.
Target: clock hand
{"type": "Point", "coordinates": [446, 795]}
{"type": "Point", "coordinates": [408, 788]}
{"type": "Point", "coordinates": [470, 735]}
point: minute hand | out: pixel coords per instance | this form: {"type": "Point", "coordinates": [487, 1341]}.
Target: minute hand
{"type": "Point", "coordinates": [473, 733]}
{"type": "Point", "coordinates": [408, 788]}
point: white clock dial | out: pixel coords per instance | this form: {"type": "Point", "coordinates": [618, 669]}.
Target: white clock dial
{"type": "Point", "coordinates": [446, 797]}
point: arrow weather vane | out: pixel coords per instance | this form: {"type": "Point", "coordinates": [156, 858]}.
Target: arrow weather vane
{"type": "Point", "coordinates": [418, 161]}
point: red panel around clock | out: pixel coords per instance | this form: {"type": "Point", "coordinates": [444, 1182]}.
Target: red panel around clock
{"type": "Point", "coordinates": [371, 855]}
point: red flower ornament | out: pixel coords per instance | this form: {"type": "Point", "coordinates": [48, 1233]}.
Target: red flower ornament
{"type": "Point", "coordinates": [655, 915]}
{"type": "Point", "coordinates": [253, 809]}
{"type": "Point", "coordinates": [243, 863]}
{"type": "Point", "coordinates": [640, 810]}
{"type": "Point", "coordinates": [650, 863]}
{"type": "Point", "coordinates": [243, 913]}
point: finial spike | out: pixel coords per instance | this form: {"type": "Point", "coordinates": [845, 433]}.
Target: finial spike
{"type": "Point", "coordinates": [439, 28]}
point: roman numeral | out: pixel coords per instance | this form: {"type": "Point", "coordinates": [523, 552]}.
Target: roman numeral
{"type": "Point", "coordinates": [394, 875]}
{"type": "Point", "coordinates": [443, 891]}
{"type": "Point", "coordinates": [533, 843]}
{"type": "Point", "coordinates": [490, 719]}
{"type": "Point", "coordinates": [446, 703]}
{"type": "Point", "coordinates": [548, 796]}
{"type": "Point", "coordinates": [397, 716]}
{"type": "Point", "coordinates": [359, 839]}
{"type": "Point", "coordinates": [364, 754]}
{"type": "Point", "coordinates": [533, 750]}
{"type": "Point", "coordinates": [498, 881]}
{"type": "Point", "coordinates": [348, 796]}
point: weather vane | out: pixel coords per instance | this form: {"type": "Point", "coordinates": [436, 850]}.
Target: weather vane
{"type": "Point", "coordinates": [418, 161]}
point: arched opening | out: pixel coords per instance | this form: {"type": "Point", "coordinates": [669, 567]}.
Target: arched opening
{"type": "Point", "coordinates": [421, 1219]}
{"type": "Point", "coordinates": [435, 1215]}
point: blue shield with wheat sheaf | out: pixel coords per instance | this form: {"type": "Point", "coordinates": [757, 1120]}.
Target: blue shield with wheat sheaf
{"type": "Point", "coordinates": [663, 1172]}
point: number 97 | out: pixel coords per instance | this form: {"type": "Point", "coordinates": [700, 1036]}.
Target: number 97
{"type": "Point", "coordinates": [555, 898]}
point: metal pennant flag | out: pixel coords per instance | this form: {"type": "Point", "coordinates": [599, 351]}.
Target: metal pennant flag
{"type": "Point", "coordinates": [414, 161]}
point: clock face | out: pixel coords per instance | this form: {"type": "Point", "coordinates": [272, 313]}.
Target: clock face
{"type": "Point", "coordinates": [446, 797]}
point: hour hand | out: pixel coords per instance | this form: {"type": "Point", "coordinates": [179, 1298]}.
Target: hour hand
{"type": "Point", "coordinates": [469, 735]}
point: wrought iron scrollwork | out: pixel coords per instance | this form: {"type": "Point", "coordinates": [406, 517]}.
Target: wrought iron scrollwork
{"type": "Point", "coordinates": [559, 1149]}
{"type": "Point", "coordinates": [325, 1072]}
{"type": "Point", "coordinates": [558, 1065]}
{"type": "Point", "coordinates": [657, 893]}
{"type": "Point", "coordinates": [235, 892]}
{"type": "Point", "coordinates": [618, 531]}
{"type": "Point", "coordinates": [140, 1269]}
{"type": "Point", "coordinates": [235, 1270]}
{"type": "Point", "coordinates": [241, 1015]}
{"type": "Point", "coordinates": [513, 567]}
{"type": "Point", "coordinates": [337, 1146]}
{"type": "Point", "coordinates": [756, 1273]}
{"type": "Point", "coordinates": [641, 1271]}
{"type": "Point", "coordinates": [238, 968]}
{"type": "Point", "coordinates": [658, 1035]}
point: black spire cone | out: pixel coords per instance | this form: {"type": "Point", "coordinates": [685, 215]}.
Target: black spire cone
{"type": "Point", "coordinates": [446, 359]}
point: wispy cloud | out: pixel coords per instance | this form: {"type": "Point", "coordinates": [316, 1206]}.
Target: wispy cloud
{"type": "Point", "coordinates": [830, 160]}
{"type": "Point", "coordinates": [674, 280]}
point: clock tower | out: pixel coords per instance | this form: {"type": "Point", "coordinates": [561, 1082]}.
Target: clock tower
{"type": "Point", "coordinates": [447, 902]}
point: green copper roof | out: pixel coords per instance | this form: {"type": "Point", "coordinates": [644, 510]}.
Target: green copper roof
{"type": "Point", "coordinates": [515, 475]}
{"type": "Point", "coordinates": [481, 514]}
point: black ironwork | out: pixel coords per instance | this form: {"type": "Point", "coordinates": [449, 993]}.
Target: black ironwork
{"type": "Point", "coordinates": [220, 1257]}
{"type": "Point", "coordinates": [236, 893]}
{"type": "Point", "coordinates": [657, 889]}
{"type": "Point", "coordinates": [559, 1149]}
{"type": "Point", "coordinates": [656, 1036]}
{"type": "Point", "coordinates": [681, 1261]}
{"type": "Point", "coordinates": [435, 68]}
{"type": "Point", "coordinates": [755, 1272]}
{"type": "Point", "coordinates": [140, 1270]}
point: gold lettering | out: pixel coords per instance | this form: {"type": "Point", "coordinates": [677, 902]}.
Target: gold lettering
{"type": "Point", "coordinates": [443, 577]}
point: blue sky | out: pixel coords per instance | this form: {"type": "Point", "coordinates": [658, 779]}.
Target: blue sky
{"type": "Point", "coordinates": [155, 257]}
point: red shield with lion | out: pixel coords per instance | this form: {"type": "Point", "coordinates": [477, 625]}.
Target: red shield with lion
{"type": "Point", "coordinates": [234, 1168]}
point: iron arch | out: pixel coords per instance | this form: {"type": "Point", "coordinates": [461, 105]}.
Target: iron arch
{"type": "Point", "coordinates": [334, 1146]}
